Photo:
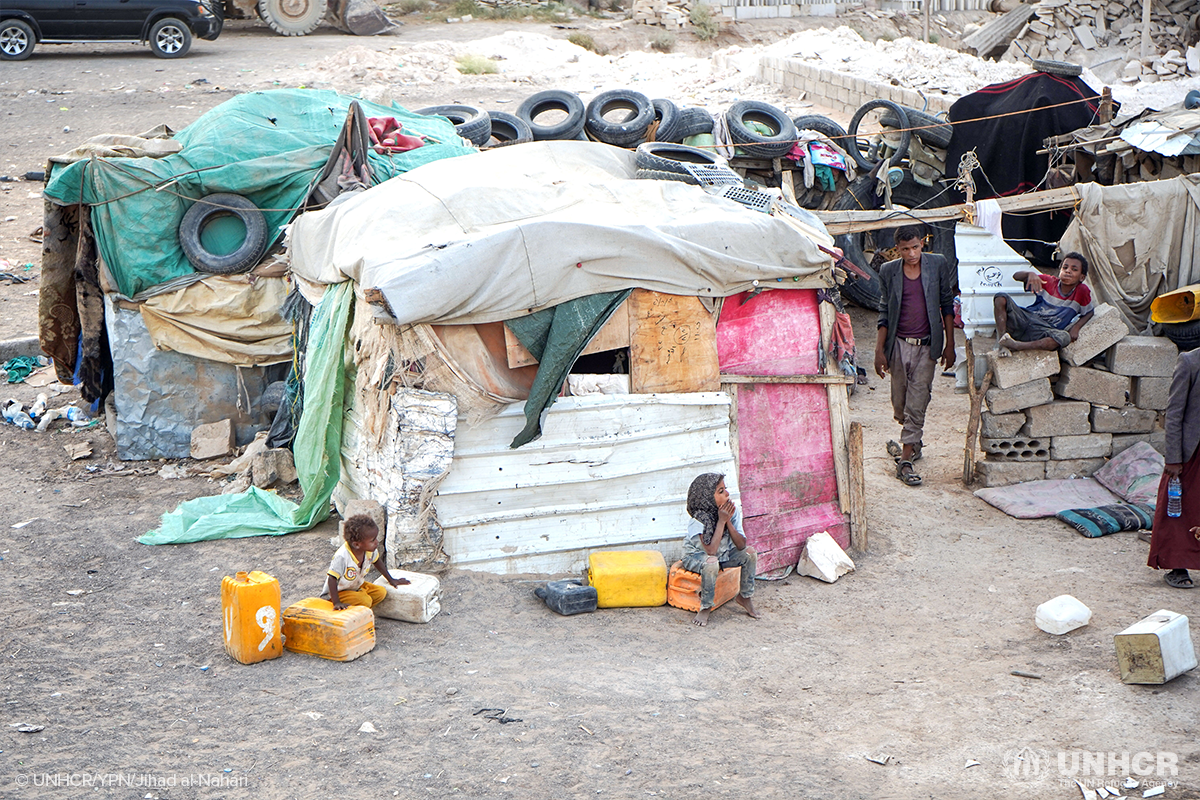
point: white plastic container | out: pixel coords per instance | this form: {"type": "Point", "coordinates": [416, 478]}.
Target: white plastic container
{"type": "Point", "coordinates": [1062, 614]}
{"type": "Point", "coordinates": [986, 265]}
{"type": "Point", "coordinates": [418, 601]}
{"type": "Point", "coordinates": [1156, 649]}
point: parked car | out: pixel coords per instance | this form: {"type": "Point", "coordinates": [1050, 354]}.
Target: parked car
{"type": "Point", "coordinates": [167, 25]}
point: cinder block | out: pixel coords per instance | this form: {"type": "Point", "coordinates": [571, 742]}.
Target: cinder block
{"type": "Point", "coordinates": [1070, 448]}
{"type": "Point", "coordinates": [1006, 401]}
{"type": "Point", "coordinates": [1004, 473]}
{"type": "Point", "coordinates": [1151, 393]}
{"type": "Point", "coordinates": [1017, 449]}
{"type": "Point", "coordinates": [212, 440]}
{"type": "Point", "coordinates": [1075, 468]}
{"type": "Point", "coordinates": [1143, 357]}
{"type": "Point", "coordinates": [1093, 385]}
{"type": "Point", "coordinates": [1061, 418]}
{"type": "Point", "coordinates": [1022, 367]}
{"type": "Point", "coordinates": [1156, 439]}
{"type": "Point", "coordinates": [1123, 420]}
{"type": "Point", "coordinates": [1103, 330]}
{"type": "Point", "coordinates": [1000, 426]}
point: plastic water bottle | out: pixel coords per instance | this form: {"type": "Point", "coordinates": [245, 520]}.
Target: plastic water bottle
{"type": "Point", "coordinates": [1174, 497]}
{"type": "Point", "coordinates": [23, 420]}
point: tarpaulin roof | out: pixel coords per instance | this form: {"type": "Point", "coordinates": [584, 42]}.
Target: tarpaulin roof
{"type": "Point", "coordinates": [267, 146]}
{"type": "Point", "coordinates": [503, 233]}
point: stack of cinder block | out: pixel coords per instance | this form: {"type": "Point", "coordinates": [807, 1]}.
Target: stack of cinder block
{"type": "Point", "coordinates": [670, 14]}
{"type": "Point", "coordinates": [1062, 414]}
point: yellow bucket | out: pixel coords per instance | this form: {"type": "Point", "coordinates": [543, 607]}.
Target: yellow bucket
{"type": "Point", "coordinates": [1180, 305]}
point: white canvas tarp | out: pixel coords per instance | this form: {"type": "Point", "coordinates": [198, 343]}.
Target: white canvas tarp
{"type": "Point", "coordinates": [499, 234]}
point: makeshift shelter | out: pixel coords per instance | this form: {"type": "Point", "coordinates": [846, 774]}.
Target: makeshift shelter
{"type": "Point", "coordinates": [445, 425]}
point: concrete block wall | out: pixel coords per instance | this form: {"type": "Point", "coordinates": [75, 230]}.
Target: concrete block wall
{"type": "Point", "coordinates": [840, 91]}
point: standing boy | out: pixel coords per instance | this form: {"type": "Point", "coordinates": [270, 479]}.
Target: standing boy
{"type": "Point", "coordinates": [1061, 307]}
{"type": "Point", "coordinates": [1175, 541]}
{"type": "Point", "coordinates": [916, 325]}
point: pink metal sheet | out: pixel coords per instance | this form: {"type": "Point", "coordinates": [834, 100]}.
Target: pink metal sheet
{"type": "Point", "coordinates": [787, 479]}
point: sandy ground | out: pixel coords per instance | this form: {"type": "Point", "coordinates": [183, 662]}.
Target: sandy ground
{"type": "Point", "coordinates": [115, 648]}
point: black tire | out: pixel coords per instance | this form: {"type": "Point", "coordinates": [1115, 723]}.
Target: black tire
{"type": "Point", "coordinates": [778, 143]}
{"type": "Point", "coordinates": [508, 129]}
{"type": "Point", "coordinates": [471, 123]}
{"type": "Point", "coordinates": [929, 129]}
{"type": "Point", "coordinates": [822, 125]}
{"type": "Point", "coordinates": [209, 208]}
{"type": "Point", "coordinates": [16, 40]}
{"type": "Point", "coordinates": [852, 133]}
{"type": "Point", "coordinates": [662, 175]}
{"type": "Point", "coordinates": [170, 38]}
{"type": "Point", "coordinates": [692, 122]}
{"type": "Point", "coordinates": [629, 131]}
{"type": "Point", "coordinates": [667, 114]}
{"type": "Point", "coordinates": [553, 100]}
{"type": "Point", "coordinates": [670, 157]}
{"type": "Point", "coordinates": [859, 196]}
{"type": "Point", "coordinates": [296, 18]}
{"type": "Point", "coordinates": [1064, 68]}
{"type": "Point", "coordinates": [1185, 334]}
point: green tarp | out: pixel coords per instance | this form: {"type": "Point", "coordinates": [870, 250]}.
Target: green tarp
{"type": "Point", "coordinates": [268, 146]}
{"type": "Point", "coordinates": [317, 448]}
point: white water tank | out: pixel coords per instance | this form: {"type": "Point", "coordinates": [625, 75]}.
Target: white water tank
{"type": "Point", "coordinates": [985, 268]}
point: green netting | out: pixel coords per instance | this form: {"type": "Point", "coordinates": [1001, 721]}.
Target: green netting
{"type": "Point", "coordinates": [267, 146]}
{"type": "Point", "coordinates": [317, 449]}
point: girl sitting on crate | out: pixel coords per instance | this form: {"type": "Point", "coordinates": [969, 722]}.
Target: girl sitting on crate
{"type": "Point", "coordinates": [715, 541]}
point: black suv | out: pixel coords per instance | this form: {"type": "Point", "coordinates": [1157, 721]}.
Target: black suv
{"type": "Point", "coordinates": [168, 25]}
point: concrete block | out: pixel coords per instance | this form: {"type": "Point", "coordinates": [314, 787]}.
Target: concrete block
{"type": "Point", "coordinates": [23, 346]}
{"type": "Point", "coordinates": [1024, 395]}
{"type": "Point", "coordinates": [1061, 418]}
{"type": "Point", "coordinates": [1103, 330]}
{"type": "Point", "coordinates": [1017, 448]}
{"type": "Point", "coordinates": [1070, 448]}
{"type": "Point", "coordinates": [1000, 426]}
{"type": "Point", "coordinates": [1143, 357]}
{"type": "Point", "coordinates": [1151, 393]}
{"type": "Point", "coordinates": [1156, 439]}
{"type": "Point", "coordinates": [1005, 473]}
{"type": "Point", "coordinates": [1074, 468]}
{"type": "Point", "coordinates": [1022, 367]}
{"type": "Point", "coordinates": [1093, 385]}
{"type": "Point", "coordinates": [1123, 420]}
{"type": "Point", "coordinates": [371, 508]}
{"type": "Point", "coordinates": [212, 440]}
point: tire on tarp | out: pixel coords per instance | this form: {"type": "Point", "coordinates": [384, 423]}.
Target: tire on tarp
{"type": "Point", "coordinates": [553, 100]}
{"type": "Point", "coordinates": [671, 157]}
{"type": "Point", "coordinates": [776, 144]}
{"type": "Point", "coordinates": [631, 130]}
{"type": "Point", "coordinates": [211, 208]}
{"type": "Point", "coordinates": [508, 129]}
{"type": "Point", "coordinates": [471, 123]}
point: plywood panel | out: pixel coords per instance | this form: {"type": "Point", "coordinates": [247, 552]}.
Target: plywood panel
{"type": "Point", "coordinates": [614, 335]}
{"type": "Point", "coordinates": [672, 344]}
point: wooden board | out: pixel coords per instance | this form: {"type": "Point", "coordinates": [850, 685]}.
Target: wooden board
{"type": "Point", "coordinates": [672, 344]}
{"type": "Point", "coordinates": [613, 336]}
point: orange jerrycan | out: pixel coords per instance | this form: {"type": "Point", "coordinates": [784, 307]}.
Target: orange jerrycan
{"type": "Point", "coordinates": [312, 626]}
{"type": "Point", "coordinates": [250, 616]}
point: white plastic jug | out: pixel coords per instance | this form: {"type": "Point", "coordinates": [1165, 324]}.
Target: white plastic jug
{"type": "Point", "coordinates": [1062, 614]}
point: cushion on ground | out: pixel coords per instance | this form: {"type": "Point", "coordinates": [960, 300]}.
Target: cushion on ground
{"type": "Point", "coordinates": [1093, 522]}
{"type": "Point", "coordinates": [1035, 499]}
{"type": "Point", "coordinates": [1133, 474]}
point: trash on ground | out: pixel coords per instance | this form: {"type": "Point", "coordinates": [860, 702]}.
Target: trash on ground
{"type": "Point", "coordinates": [25, 727]}
{"type": "Point", "coordinates": [78, 450]}
{"type": "Point", "coordinates": [1131, 783]}
{"type": "Point", "coordinates": [972, 763]}
{"type": "Point", "coordinates": [1155, 792]}
{"type": "Point", "coordinates": [823, 559]}
{"type": "Point", "coordinates": [1088, 793]}
{"type": "Point", "coordinates": [1021, 674]}
{"type": "Point", "coordinates": [367, 727]}
{"type": "Point", "coordinates": [1062, 615]}
{"type": "Point", "coordinates": [882, 758]}
{"type": "Point", "coordinates": [1155, 649]}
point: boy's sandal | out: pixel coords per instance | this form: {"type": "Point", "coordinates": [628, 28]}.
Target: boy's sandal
{"type": "Point", "coordinates": [1179, 579]}
{"type": "Point", "coordinates": [895, 450]}
{"type": "Point", "coordinates": [906, 474]}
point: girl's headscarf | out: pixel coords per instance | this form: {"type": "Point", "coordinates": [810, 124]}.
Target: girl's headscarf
{"type": "Point", "coordinates": [701, 505]}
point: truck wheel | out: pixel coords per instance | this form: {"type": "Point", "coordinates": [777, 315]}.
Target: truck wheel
{"type": "Point", "coordinates": [292, 17]}
{"type": "Point", "coordinates": [170, 38]}
{"type": "Point", "coordinates": [16, 40]}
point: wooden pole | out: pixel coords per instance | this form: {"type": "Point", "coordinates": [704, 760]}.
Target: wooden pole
{"type": "Point", "coordinates": [858, 491]}
{"type": "Point", "coordinates": [1106, 105]}
{"type": "Point", "coordinates": [925, 4]}
{"type": "Point", "coordinates": [976, 412]}
{"type": "Point", "coordinates": [839, 409]}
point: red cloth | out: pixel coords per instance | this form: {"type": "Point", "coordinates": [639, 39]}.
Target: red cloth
{"type": "Point", "coordinates": [387, 138]}
{"type": "Point", "coordinates": [914, 315]}
{"type": "Point", "coordinates": [1172, 543]}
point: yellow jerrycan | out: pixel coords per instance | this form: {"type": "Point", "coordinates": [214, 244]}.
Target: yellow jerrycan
{"type": "Point", "coordinates": [250, 617]}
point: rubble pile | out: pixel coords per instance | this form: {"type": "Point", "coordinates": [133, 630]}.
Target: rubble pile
{"type": "Point", "coordinates": [1061, 29]}
{"type": "Point", "coordinates": [1057, 414]}
{"type": "Point", "coordinates": [670, 14]}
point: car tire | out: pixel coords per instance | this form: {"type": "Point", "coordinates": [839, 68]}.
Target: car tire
{"type": "Point", "coordinates": [553, 100]}
{"type": "Point", "coordinates": [471, 123]}
{"type": "Point", "coordinates": [628, 132]}
{"type": "Point", "coordinates": [1062, 68]}
{"type": "Point", "coordinates": [928, 128]}
{"type": "Point", "coordinates": [1184, 334]}
{"type": "Point", "coordinates": [860, 195]}
{"type": "Point", "coordinates": [852, 133]}
{"type": "Point", "coordinates": [667, 114]}
{"type": "Point", "coordinates": [508, 129]}
{"type": "Point", "coordinates": [170, 38]}
{"type": "Point", "coordinates": [292, 17]}
{"type": "Point", "coordinates": [204, 211]}
{"type": "Point", "coordinates": [663, 175]}
{"type": "Point", "coordinates": [16, 40]}
{"type": "Point", "coordinates": [693, 122]}
{"type": "Point", "coordinates": [778, 143]}
{"type": "Point", "coordinates": [671, 157]}
{"type": "Point", "coordinates": [822, 125]}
